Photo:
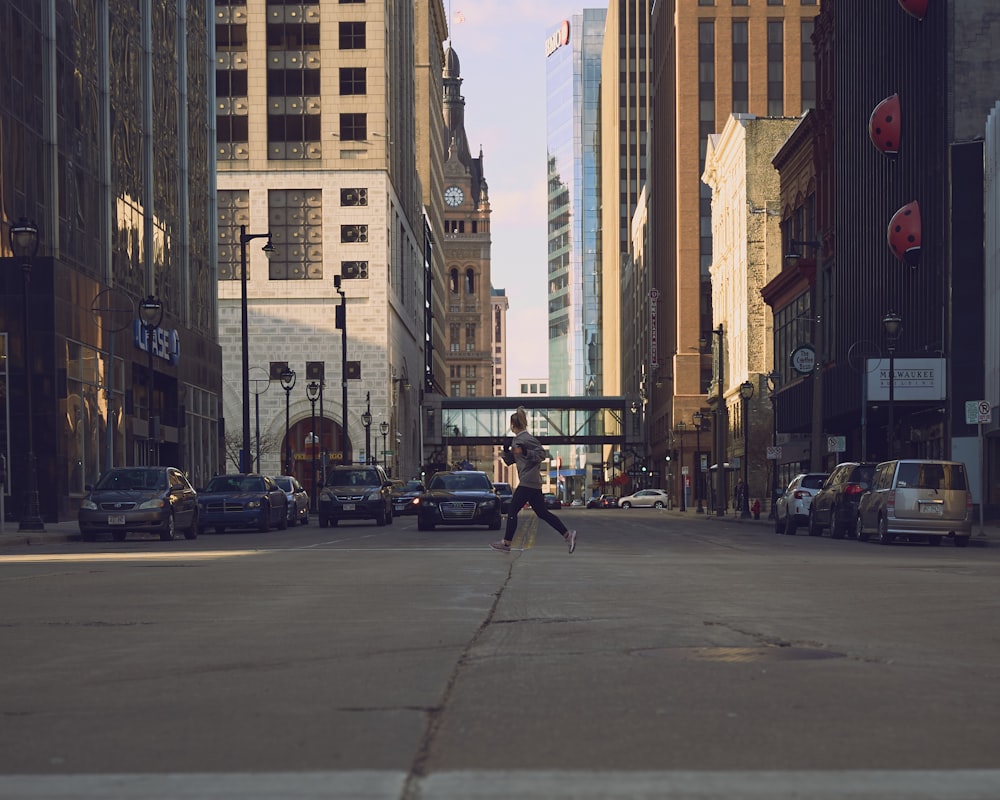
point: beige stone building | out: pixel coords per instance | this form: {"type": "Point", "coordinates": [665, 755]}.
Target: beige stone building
{"type": "Point", "coordinates": [318, 109]}
{"type": "Point", "coordinates": [747, 253]}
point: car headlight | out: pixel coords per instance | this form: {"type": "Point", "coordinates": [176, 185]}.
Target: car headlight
{"type": "Point", "coordinates": [156, 502]}
{"type": "Point", "coordinates": [88, 505]}
{"type": "Point", "coordinates": [489, 503]}
{"type": "Point", "coordinates": [253, 504]}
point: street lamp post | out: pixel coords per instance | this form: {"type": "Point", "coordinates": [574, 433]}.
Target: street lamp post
{"type": "Point", "coordinates": [720, 444]}
{"type": "Point", "coordinates": [341, 320]}
{"type": "Point", "coordinates": [819, 291]}
{"type": "Point", "coordinates": [151, 314]}
{"type": "Point", "coordinates": [312, 393]}
{"type": "Point", "coordinates": [383, 428]}
{"type": "Point", "coordinates": [698, 417]}
{"type": "Point", "coordinates": [892, 323]}
{"type": "Point", "coordinates": [366, 420]}
{"type": "Point", "coordinates": [287, 383]}
{"type": "Point", "coordinates": [680, 467]}
{"type": "Point", "coordinates": [24, 244]}
{"type": "Point", "coordinates": [259, 380]}
{"type": "Point", "coordinates": [268, 248]}
{"type": "Point", "coordinates": [746, 392]}
{"type": "Point", "coordinates": [773, 382]}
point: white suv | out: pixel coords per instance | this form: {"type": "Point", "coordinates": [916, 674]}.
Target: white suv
{"type": "Point", "coordinates": [792, 507]}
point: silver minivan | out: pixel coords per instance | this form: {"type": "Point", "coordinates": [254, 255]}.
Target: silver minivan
{"type": "Point", "coordinates": [917, 497]}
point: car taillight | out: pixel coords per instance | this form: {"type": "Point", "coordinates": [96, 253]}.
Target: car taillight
{"type": "Point", "coordinates": [799, 494]}
{"type": "Point", "coordinates": [890, 502]}
{"type": "Point", "coordinates": [853, 488]}
{"type": "Point", "coordinates": [968, 504]}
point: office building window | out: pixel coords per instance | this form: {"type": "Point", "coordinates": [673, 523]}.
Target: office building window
{"type": "Point", "coordinates": [353, 80]}
{"type": "Point", "coordinates": [741, 67]}
{"type": "Point", "coordinates": [808, 57]}
{"type": "Point", "coordinates": [233, 210]}
{"type": "Point", "coordinates": [295, 220]}
{"type": "Point", "coordinates": [352, 35]}
{"type": "Point", "coordinates": [353, 127]}
{"type": "Point", "coordinates": [775, 68]}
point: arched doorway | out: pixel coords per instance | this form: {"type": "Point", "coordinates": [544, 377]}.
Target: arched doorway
{"type": "Point", "coordinates": [308, 450]}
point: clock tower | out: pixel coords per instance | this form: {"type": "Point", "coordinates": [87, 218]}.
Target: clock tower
{"type": "Point", "coordinates": [466, 246]}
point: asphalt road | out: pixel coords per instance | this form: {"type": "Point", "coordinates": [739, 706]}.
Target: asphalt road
{"type": "Point", "coordinates": [672, 656]}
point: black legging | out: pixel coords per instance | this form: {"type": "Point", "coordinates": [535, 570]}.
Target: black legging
{"type": "Point", "coordinates": [526, 495]}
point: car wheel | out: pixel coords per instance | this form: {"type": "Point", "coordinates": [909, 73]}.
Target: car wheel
{"type": "Point", "coordinates": [305, 519]}
{"type": "Point", "coordinates": [626, 505]}
{"type": "Point", "coordinates": [779, 525]}
{"type": "Point", "coordinates": [934, 541]}
{"type": "Point", "coordinates": [884, 537]}
{"type": "Point", "coordinates": [167, 534]}
{"type": "Point", "coordinates": [960, 541]}
{"type": "Point", "coordinates": [837, 529]}
{"type": "Point", "coordinates": [859, 530]}
{"type": "Point", "coordinates": [790, 526]}
{"type": "Point", "coordinates": [264, 525]}
{"type": "Point", "coordinates": [323, 521]}
{"type": "Point", "coordinates": [119, 536]}
{"type": "Point", "coordinates": [814, 528]}
{"type": "Point", "coordinates": [283, 523]}
{"type": "Point", "coordinates": [380, 517]}
{"type": "Point", "coordinates": [658, 504]}
{"type": "Point", "coordinates": [192, 530]}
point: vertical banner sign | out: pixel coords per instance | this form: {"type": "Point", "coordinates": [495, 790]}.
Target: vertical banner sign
{"type": "Point", "coordinates": [654, 353]}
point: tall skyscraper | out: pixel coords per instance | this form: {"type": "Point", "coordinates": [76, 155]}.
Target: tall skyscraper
{"type": "Point", "coordinates": [317, 124]}
{"type": "Point", "coordinates": [106, 149]}
{"type": "Point", "coordinates": [708, 60]}
{"type": "Point", "coordinates": [573, 80]}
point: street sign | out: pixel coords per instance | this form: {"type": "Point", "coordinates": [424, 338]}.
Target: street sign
{"type": "Point", "coordinates": [978, 412]}
{"type": "Point", "coordinates": [774, 453]}
{"type": "Point", "coordinates": [836, 444]}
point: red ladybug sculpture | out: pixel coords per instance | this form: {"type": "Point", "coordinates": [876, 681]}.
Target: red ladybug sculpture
{"type": "Point", "coordinates": [915, 8]}
{"type": "Point", "coordinates": [885, 125]}
{"type": "Point", "coordinates": [905, 232]}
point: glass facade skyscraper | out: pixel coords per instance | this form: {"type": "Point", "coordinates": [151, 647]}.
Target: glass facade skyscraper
{"type": "Point", "coordinates": [573, 78]}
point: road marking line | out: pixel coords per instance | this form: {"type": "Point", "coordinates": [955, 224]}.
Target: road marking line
{"type": "Point", "coordinates": [525, 785]}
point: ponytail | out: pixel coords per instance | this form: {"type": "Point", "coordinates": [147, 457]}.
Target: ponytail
{"type": "Point", "coordinates": [520, 418]}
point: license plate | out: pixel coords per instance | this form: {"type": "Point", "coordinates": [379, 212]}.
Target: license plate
{"type": "Point", "coordinates": [348, 506]}
{"type": "Point", "coordinates": [116, 519]}
{"type": "Point", "coordinates": [934, 509]}
{"type": "Point", "coordinates": [400, 506]}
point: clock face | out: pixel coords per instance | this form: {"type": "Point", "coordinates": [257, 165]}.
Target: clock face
{"type": "Point", "coordinates": [453, 196]}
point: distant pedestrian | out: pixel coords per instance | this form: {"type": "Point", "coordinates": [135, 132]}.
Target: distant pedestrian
{"type": "Point", "coordinates": [528, 453]}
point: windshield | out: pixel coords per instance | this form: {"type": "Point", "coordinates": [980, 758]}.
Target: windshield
{"type": "Point", "coordinates": [235, 483]}
{"type": "Point", "coordinates": [462, 483]}
{"type": "Point", "coordinates": [353, 477]}
{"type": "Point", "coordinates": [133, 479]}
{"type": "Point", "coordinates": [285, 484]}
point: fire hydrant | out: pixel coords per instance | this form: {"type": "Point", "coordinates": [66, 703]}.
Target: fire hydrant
{"type": "Point", "coordinates": [755, 508]}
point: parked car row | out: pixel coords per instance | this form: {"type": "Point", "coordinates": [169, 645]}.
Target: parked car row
{"type": "Point", "coordinates": [902, 498]}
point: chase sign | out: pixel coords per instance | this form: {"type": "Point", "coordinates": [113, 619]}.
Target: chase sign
{"type": "Point", "coordinates": [166, 345]}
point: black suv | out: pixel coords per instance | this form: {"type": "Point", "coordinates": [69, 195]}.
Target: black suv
{"type": "Point", "coordinates": [835, 505]}
{"type": "Point", "coordinates": [355, 492]}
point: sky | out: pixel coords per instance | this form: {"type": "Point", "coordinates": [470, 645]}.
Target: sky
{"type": "Point", "coordinates": [501, 47]}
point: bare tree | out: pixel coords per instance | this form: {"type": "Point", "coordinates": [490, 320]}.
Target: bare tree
{"type": "Point", "coordinates": [234, 443]}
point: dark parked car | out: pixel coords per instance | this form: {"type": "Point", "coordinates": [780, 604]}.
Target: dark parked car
{"type": "Point", "coordinates": [355, 492]}
{"type": "Point", "coordinates": [404, 496]}
{"type": "Point", "coordinates": [243, 500]}
{"type": "Point", "coordinates": [551, 501]}
{"type": "Point", "coordinates": [506, 495]}
{"type": "Point", "coordinates": [464, 497]}
{"type": "Point", "coordinates": [791, 508]}
{"type": "Point", "coordinates": [604, 501]}
{"type": "Point", "coordinates": [141, 500]}
{"type": "Point", "coordinates": [298, 499]}
{"type": "Point", "coordinates": [835, 505]}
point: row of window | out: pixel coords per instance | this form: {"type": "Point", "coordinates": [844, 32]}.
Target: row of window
{"type": "Point", "coordinates": [769, 2]}
{"type": "Point", "coordinates": [295, 223]}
